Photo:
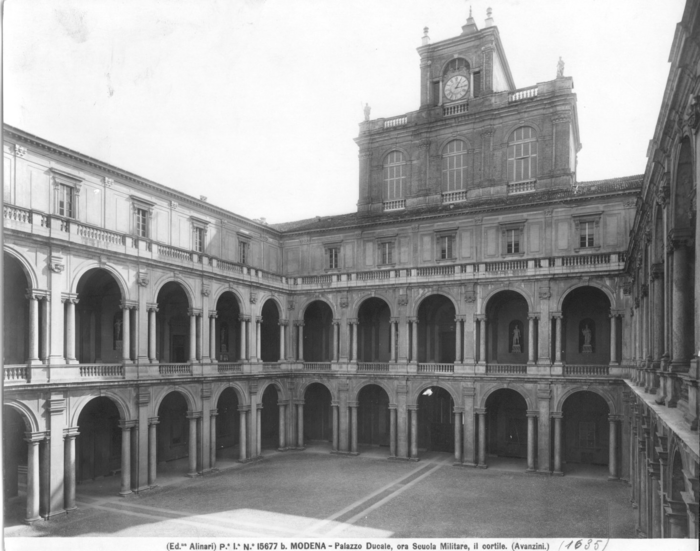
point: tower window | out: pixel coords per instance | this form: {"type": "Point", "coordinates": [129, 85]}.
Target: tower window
{"type": "Point", "coordinates": [454, 166]}
{"type": "Point", "coordinates": [522, 155]}
{"type": "Point", "coordinates": [394, 176]}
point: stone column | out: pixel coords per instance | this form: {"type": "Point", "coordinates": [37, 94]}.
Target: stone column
{"type": "Point", "coordinates": [481, 412]}
{"type": "Point", "coordinates": [33, 476]}
{"type": "Point", "coordinates": [531, 343]}
{"type": "Point", "coordinates": [212, 437]}
{"type": "Point", "coordinates": [193, 335]}
{"type": "Point", "coordinates": [242, 436]}
{"type": "Point", "coordinates": [393, 323]}
{"type": "Point", "coordinates": [657, 273]}
{"type": "Point", "coordinates": [282, 425]}
{"type": "Point", "coordinates": [258, 430]}
{"type": "Point", "coordinates": [336, 340]}
{"type": "Point", "coordinates": [353, 427]}
{"type": "Point", "coordinates": [69, 467]}
{"type": "Point", "coordinates": [481, 320]}
{"type": "Point", "coordinates": [458, 339]}
{"type": "Point", "coordinates": [557, 320]}
{"type": "Point", "coordinates": [613, 339]}
{"type": "Point", "coordinates": [70, 301]}
{"type": "Point", "coordinates": [469, 432]}
{"type": "Point", "coordinates": [557, 416]}
{"type": "Point", "coordinates": [392, 430]}
{"type": "Point", "coordinates": [544, 451]}
{"type": "Point", "coordinates": [192, 442]}
{"type": "Point", "coordinates": [242, 341]}
{"type": "Point", "coordinates": [681, 307]}
{"type": "Point", "coordinates": [152, 450]}
{"type": "Point", "coordinates": [300, 424]}
{"type": "Point", "coordinates": [33, 328]}
{"type": "Point", "coordinates": [212, 336]}
{"type": "Point", "coordinates": [413, 412]}
{"type": "Point", "coordinates": [612, 448]}
{"type": "Point", "coordinates": [334, 407]}
{"type": "Point", "coordinates": [258, 338]}
{"type": "Point", "coordinates": [200, 333]}
{"type": "Point", "coordinates": [126, 455]}
{"type": "Point", "coordinates": [656, 511]}
{"type": "Point", "coordinates": [126, 332]}
{"type": "Point", "coordinates": [152, 311]}
{"type": "Point", "coordinates": [414, 340]}
{"type": "Point", "coordinates": [402, 421]}
{"type": "Point", "coordinates": [458, 435]}
{"type": "Point", "coordinates": [44, 331]}
{"type": "Point", "coordinates": [355, 324]}
{"type": "Point", "coordinates": [300, 325]}
{"type": "Point", "coordinates": [531, 417]}
{"type": "Point", "coordinates": [283, 325]}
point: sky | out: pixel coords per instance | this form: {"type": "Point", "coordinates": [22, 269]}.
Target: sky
{"type": "Point", "coordinates": [255, 103]}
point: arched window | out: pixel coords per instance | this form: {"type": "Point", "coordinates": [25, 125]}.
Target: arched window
{"type": "Point", "coordinates": [394, 176]}
{"type": "Point", "coordinates": [454, 166]}
{"type": "Point", "coordinates": [522, 155]}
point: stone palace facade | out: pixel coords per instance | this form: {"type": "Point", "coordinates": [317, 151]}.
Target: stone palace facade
{"type": "Point", "coordinates": [481, 302]}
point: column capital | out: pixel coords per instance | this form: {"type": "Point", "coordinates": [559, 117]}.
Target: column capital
{"type": "Point", "coordinates": [243, 409]}
{"type": "Point", "coordinates": [283, 322]}
{"type": "Point", "coordinates": [393, 406]}
{"type": "Point", "coordinates": [458, 409]}
{"type": "Point", "coordinates": [556, 315]}
{"type": "Point", "coordinates": [194, 312]}
{"type": "Point", "coordinates": [394, 319]}
{"type": "Point", "coordinates": [412, 407]}
{"type": "Point", "coordinates": [299, 401]}
{"type": "Point", "coordinates": [299, 323]}
{"type": "Point", "coordinates": [213, 412]}
{"type": "Point", "coordinates": [213, 314]}
{"type": "Point", "coordinates": [533, 316]}
{"type": "Point", "coordinates": [243, 317]}
{"type": "Point", "coordinates": [71, 432]}
{"type": "Point", "coordinates": [153, 421]}
{"type": "Point", "coordinates": [353, 403]}
{"type": "Point", "coordinates": [335, 403]}
{"type": "Point", "coordinates": [532, 413]}
{"type": "Point", "coordinates": [460, 317]}
{"type": "Point", "coordinates": [128, 305]}
{"type": "Point", "coordinates": [34, 437]}
{"type": "Point", "coordinates": [336, 321]}
{"type": "Point", "coordinates": [556, 415]}
{"type": "Point", "coordinates": [152, 306]}
{"type": "Point", "coordinates": [127, 424]}
{"type": "Point", "coordinates": [480, 411]}
{"type": "Point", "coordinates": [37, 294]}
{"type": "Point", "coordinates": [615, 417]}
{"type": "Point", "coordinates": [258, 319]}
{"type": "Point", "coordinates": [412, 319]}
{"type": "Point", "coordinates": [283, 402]}
{"type": "Point", "coordinates": [353, 321]}
{"type": "Point", "coordinates": [479, 317]}
{"type": "Point", "coordinates": [193, 414]}
{"type": "Point", "coordinates": [71, 298]}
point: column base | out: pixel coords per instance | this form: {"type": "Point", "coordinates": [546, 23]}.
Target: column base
{"type": "Point", "coordinates": [557, 473]}
{"type": "Point", "coordinates": [465, 464]}
{"type": "Point", "coordinates": [414, 458]}
{"type": "Point", "coordinates": [531, 470]}
{"type": "Point", "coordinates": [613, 479]}
{"type": "Point", "coordinates": [397, 458]}
{"type": "Point", "coordinates": [72, 362]}
{"type": "Point", "coordinates": [31, 520]}
{"type": "Point", "coordinates": [35, 361]}
{"type": "Point", "coordinates": [124, 493]}
{"type": "Point", "coordinates": [192, 475]}
{"type": "Point", "coordinates": [56, 514]}
{"type": "Point", "coordinates": [71, 509]}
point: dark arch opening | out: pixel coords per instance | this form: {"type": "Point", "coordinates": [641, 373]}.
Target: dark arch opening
{"type": "Point", "coordinates": [99, 444]}
{"type": "Point", "coordinates": [373, 416]}
{"type": "Point", "coordinates": [436, 420]}
{"type": "Point", "coordinates": [99, 319]}
{"type": "Point", "coordinates": [585, 430]}
{"type": "Point", "coordinates": [173, 428]}
{"type": "Point", "coordinates": [227, 423]}
{"type": "Point", "coordinates": [14, 452]}
{"type": "Point", "coordinates": [269, 416]}
{"type": "Point", "coordinates": [374, 335]}
{"type": "Point", "coordinates": [507, 330]}
{"type": "Point", "coordinates": [586, 328]}
{"type": "Point", "coordinates": [506, 424]}
{"type": "Point", "coordinates": [436, 330]}
{"type": "Point", "coordinates": [318, 414]}
{"type": "Point", "coordinates": [228, 328]}
{"type": "Point", "coordinates": [318, 332]}
{"type": "Point", "coordinates": [270, 332]}
{"type": "Point", "coordinates": [173, 328]}
{"type": "Point", "coordinates": [15, 306]}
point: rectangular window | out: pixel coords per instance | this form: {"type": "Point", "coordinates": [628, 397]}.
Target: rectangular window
{"type": "Point", "coordinates": [586, 235]}
{"type": "Point", "coordinates": [446, 246]}
{"type": "Point", "coordinates": [141, 223]}
{"type": "Point", "coordinates": [512, 241]}
{"type": "Point", "coordinates": [199, 240]}
{"type": "Point", "coordinates": [386, 253]}
{"type": "Point", "coordinates": [66, 201]}
{"type": "Point", "coordinates": [332, 255]}
{"type": "Point", "coordinates": [243, 252]}
{"type": "Point", "coordinates": [477, 84]}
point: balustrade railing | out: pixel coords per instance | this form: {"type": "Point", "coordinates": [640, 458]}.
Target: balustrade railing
{"type": "Point", "coordinates": [102, 370]}
{"type": "Point", "coordinates": [594, 370]}
{"type": "Point", "coordinates": [454, 196]}
{"type": "Point", "coordinates": [523, 93]}
{"type": "Point", "coordinates": [436, 368]}
{"type": "Point", "coordinates": [585, 260]}
{"type": "Point", "coordinates": [230, 267]}
{"type": "Point", "coordinates": [395, 122]}
{"type": "Point", "coordinates": [436, 270]}
{"type": "Point", "coordinates": [17, 214]}
{"type": "Point", "coordinates": [227, 368]}
{"type": "Point", "coordinates": [376, 274]}
{"type": "Point", "coordinates": [317, 366]}
{"type": "Point", "coordinates": [507, 265]}
{"type": "Point", "coordinates": [506, 369]}
{"type": "Point", "coordinates": [521, 187]}
{"type": "Point", "coordinates": [271, 366]}
{"type": "Point", "coordinates": [396, 204]}
{"type": "Point", "coordinates": [372, 367]}
{"type": "Point", "coordinates": [175, 369]}
{"type": "Point", "coordinates": [98, 234]}
{"type": "Point", "coordinates": [173, 252]}
{"type": "Point", "coordinates": [16, 373]}
{"type": "Point", "coordinates": [458, 109]}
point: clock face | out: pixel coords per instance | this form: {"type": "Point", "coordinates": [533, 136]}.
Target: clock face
{"type": "Point", "coordinates": [457, 87]}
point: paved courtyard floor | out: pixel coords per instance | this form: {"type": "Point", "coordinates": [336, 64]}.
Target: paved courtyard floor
{"type": "Point", "coordinates": [311, 493]}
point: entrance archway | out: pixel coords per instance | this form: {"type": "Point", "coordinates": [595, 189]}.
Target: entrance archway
{"type": "Point", "coordinates": [173, 433]}
{"type": "Point", "coordinates": [173, 331]}
{"type": "Point", "coordinates": [270, 422]}
{"type": "Point", "coordinates": [15, 334]}
{"type": "Point", "coordinates": [227, 424]}
{"type": "Point", "coordinates": [586, 328]}
{"type": "Point", "coordinates": [436, 330]}
{"type": "Point", "coordinates": [14, 448]}
{"type": "Point", "coordinates": [586, 429]}
{"type": "Point", "coordinates": [436, 420]}
{"type": "Point", "coordinates": [507, 427]}
{"type": "Point", "coordinates": [24, 486]}
{"type": "Point", "coordinates": [318, 415]}
{"type": "Point", "coordinates": [270, 332]}
{"type": "Point", "coordinates": [374, 331]}
{"type": "Point", "coordinates": [228, 328]}
{"type": "Point", "coordinates": [373, 416]}
{"type": "Point", "coordinates": [318, 332]}
{"type": "Point", "coordinates": [508, 331]}
{"type": "Point", "coordinates": [99, 443]}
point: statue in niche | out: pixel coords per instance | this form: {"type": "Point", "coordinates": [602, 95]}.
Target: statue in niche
{"type": "Point", "coordinates": [516, 339]}
{"type": "Point", "coordinates": [587, 336]}
{"type": "Point", "coordinates": [118, 337]}
{"type": "Point", "coordinates": [515, 334]}
{"type": "Point", "coordinates": [587, 348]}
{"type": "Point", "coordinates": [223, 338]}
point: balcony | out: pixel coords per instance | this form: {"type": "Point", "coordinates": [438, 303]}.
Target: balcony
{"type": "Point", "coordinates": [526, 186]}
{"type": "Point", "coordinates": [454, 197]}
{"type": "Point", "coordinates": [523, 94]}
{"type": "Point", "coordinates": [397, 204]}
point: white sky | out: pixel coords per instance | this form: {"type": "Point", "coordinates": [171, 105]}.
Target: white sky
{"type": "Point", "coordinates": [255, 103]}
